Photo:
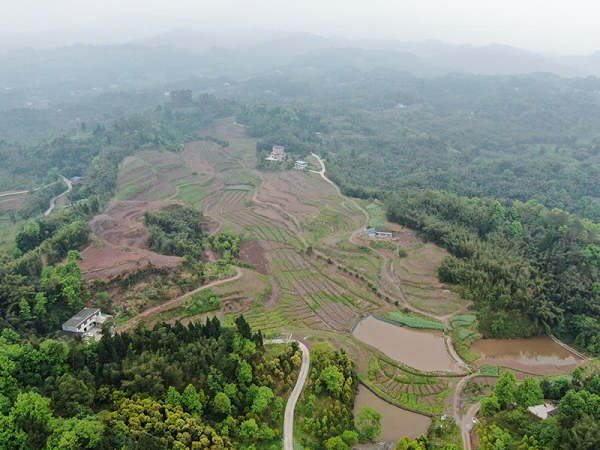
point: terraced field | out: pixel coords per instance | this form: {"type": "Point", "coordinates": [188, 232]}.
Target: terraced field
{"type": "Point", "coordinates": [417, 274]}
{"type": "Point", "coordinates": [407, 387]}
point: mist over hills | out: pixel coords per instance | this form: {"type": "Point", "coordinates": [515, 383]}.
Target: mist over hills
{"type": "Point", "coordinates": [263, 49]}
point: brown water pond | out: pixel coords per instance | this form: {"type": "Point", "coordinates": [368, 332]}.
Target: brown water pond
{"type": "Point", "coordinates": [539, 350]}
{"type": "Point", "coordinates": [396, 423]}
{"type": "Point", "coordinates": [423, 350]}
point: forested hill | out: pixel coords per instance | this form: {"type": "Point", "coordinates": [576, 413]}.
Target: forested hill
{"type": "Point", "coordinates": [508, 138]}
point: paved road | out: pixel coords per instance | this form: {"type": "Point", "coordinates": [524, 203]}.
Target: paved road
{"type": "Point", "coordinates": [288, 421]}
{"type": "Point", "coordinates": [53, 201]}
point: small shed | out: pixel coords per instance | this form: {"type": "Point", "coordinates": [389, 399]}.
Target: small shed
{"type": "Point", "coordinates": [543, 411]}
{"type": "Point", "coordinates": [369, 232]}
{"type": "Point", "coordinates": [382, 233]}
{"type": "Point", "coordinates": [300, 165]}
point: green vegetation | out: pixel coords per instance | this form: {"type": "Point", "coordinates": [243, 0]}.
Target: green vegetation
{"type": "Point", "coordinates": [464, 334]}
{"type": "Point", "coordinates": [406, 386]}
{"type": "Point", "coordinates": [377, 214]}
{"type": "Point", "coordinates": [203, 301]}
{"type": "Point", "coordinates": [383, 244]}
{"type": "Point", "coordinates": [575, 425]}
{"type": "Point", "coordinates": [219, 390]}
{"type": "Point", "coordinates": [226, 245]}
{"type": "Point", "coordinates": [517, 281]}
{"type": "Point", "coordinates": [414, 321]}
{"type": "Point", "coordinates": [176, 230]}
{"type": "Point", "coordinates": [325, 406]}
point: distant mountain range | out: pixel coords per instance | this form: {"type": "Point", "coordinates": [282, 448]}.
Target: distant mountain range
{"type": "Point", "coordinates": [429, 58]}
{"type": "Point", "coordinates": [259, 50]}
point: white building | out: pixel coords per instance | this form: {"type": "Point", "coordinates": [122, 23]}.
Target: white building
{"type": "Point", "coordinates": [377, 233]}
{"type": "Point", "coordinates": [300, 165]}
{"type": "Point", "coordinates": [543, 411]}
{"type": "Point", "coordinates": [86, 321]}
{"type": "Point", "coordinates": [277, 155]}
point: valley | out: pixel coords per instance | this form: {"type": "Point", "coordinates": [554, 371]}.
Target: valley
{"type": "Point", "coordinates": [312, 274]}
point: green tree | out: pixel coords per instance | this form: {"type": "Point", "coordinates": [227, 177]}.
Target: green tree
{"type": "Point", "coordinates": [369, 424]}
{"type": "Point", "coordinates": [262, 400]}
{"type": "Point", "coordinates": [190, 400]}
{"type": "Point", "coordinates": [75, 434]}
{"type": "Point", "coordinates": [248, 429]}
{"type": "Point", "coordinates": [173, 397]}
{"type": "Point", "coordinates": [336, 443]}
{"type": "Point", "coordinates": [222, 403]}
{"type": "Point", "coordinates": [31, 413]}
{"type": "Point", "coordinates": [244, 373]}
{"type": "Point", "coordinates": [505, 389]}
{"type": "Point", "coordinates": [529, 393]}
{"type": "Point", "coordinates": [490, 406]}
{"type": "Point", "coordinates": [334, 380]}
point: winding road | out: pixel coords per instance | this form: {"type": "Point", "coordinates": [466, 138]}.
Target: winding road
{"type": "Point", "coordinates": [464, 421]}
{"type": "Point", "coordinates": [53, 201]}
{"type": "Point", "coordinates": [288, 420]}
{"type": "Point", "coordinates": [167, 305]}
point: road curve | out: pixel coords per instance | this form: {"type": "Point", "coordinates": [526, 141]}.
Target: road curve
{"type": "Point", "coordinates": [288, 420]}
{"type": "Point", "coordinates": [53, 201]}
{"type": "Point", "coordinates": [164, 306]}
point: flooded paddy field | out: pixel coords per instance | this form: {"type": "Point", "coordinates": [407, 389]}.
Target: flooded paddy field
{"type": "Point", "coordinates": [423, 350]}
{"type": "Point", "coordinates": [540, 353]}
{"type": "Point", "coordinates": [396, 423]}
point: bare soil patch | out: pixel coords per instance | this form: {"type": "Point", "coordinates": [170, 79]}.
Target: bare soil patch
{"type": "Point", "coordinates": [11, 203]}
{"type": "Point", "coordinates": [253, 253]}
{"type": "Point", "coordinates": [224, 128]}
{"type": "Point", "coordinates": [121, 243]}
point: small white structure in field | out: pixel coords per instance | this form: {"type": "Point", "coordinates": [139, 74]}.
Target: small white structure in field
{"type": "Point", "coordinates": [377, 232]}
{"type": "Point", "coordinates": [543, 411]}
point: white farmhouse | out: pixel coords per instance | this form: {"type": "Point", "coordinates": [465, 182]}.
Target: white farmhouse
{"type": "Point", "coordinates": [87, 321]}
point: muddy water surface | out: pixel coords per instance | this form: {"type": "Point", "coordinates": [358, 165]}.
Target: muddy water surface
{"type": "Point", "coordinates": [396, 423]}
{"type": "Point", "coordinates": [539, 350]}
{"type": "Point", "coordinates": [423, 350]}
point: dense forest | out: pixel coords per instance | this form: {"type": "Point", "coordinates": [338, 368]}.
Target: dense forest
{"type": "Point", "coordinates": [172, 387]}
{"type": "Point", "coordinates": [509, 426]}
{"type": "Point", "coordinates": [529, 269]}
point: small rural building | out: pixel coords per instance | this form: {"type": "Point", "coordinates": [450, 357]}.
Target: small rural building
{"type": "Point", "coordinates": [543, 411]}
{"type": "Point", "coordinates": [277, 154]}
{"type": "Point", "coordinates": [377, 233]}
{"type": "Point", "coordinates": [85, 321]}
{"type": "Point", "coordinates": [300, 165]}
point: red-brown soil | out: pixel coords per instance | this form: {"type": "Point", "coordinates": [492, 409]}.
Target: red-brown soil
{"type": "Point", "coordinates": [121, 243]}
{"type": "Point", "coordinates": [253, 253]}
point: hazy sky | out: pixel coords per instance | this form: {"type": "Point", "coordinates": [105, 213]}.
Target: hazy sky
{"type": "Point", "coordinates": [561, 26]}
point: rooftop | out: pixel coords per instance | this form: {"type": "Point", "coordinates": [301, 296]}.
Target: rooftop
{"type": "Point", "coordinates": [543, 411]}
{"type": "Point", "coordinates": [302, 163]}
{"type": "Point", "coordinates": [81, 316]}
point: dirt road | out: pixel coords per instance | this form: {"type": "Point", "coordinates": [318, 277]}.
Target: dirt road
{"type": "Point", "coordinates": [13, 193]}
{"type": "Point", "coordinates": [167, 305]}
{"type": "Point", "coordinates": [53, 201]}
{"type": "Point", "coordinates": [288, 421]}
